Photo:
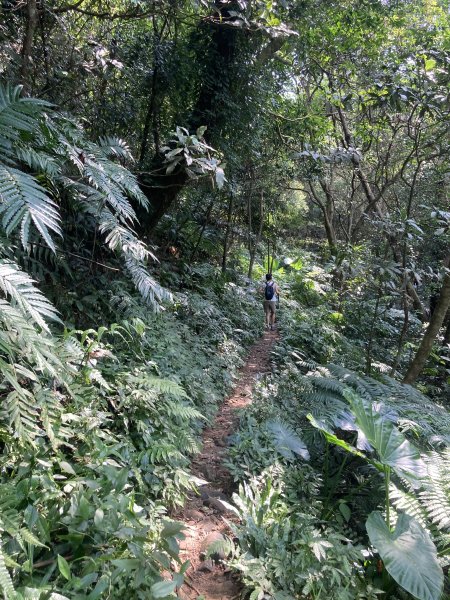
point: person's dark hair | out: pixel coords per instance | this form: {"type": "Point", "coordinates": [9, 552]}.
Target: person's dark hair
{"type": "Point", "coordinates": [268, 276]}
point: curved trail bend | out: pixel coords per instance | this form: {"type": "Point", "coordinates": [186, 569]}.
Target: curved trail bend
{"type": "Point", "coordinates": [204, 515]}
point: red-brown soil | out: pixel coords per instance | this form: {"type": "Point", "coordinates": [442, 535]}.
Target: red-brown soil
{"type": "Point", "coordinates": [204, 515]}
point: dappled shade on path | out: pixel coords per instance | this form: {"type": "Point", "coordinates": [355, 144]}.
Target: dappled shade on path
{"type": "Point", "coordinates": [204, 514]}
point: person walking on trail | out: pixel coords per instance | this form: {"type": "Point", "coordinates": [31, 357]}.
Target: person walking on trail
{"type": "Point", "coordinates": [271, 293]}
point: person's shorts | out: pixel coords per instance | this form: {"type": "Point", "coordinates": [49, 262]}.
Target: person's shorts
{"type": "Point", "coordinates": [269, 306]}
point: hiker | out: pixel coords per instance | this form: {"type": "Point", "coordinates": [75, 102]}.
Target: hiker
{"type": "Point", "coordinates": [271, 292]}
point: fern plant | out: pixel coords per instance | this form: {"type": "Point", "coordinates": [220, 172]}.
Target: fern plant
{"type": "Point", "coordinates": [45, 159]}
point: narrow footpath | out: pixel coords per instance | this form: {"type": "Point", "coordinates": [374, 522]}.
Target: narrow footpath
{"type": "Point", "coordinates": [204, 515]}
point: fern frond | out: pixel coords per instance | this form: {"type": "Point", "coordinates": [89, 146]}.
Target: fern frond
{"type": "Point", "coordinates": [159, 385]}
{"type": "Point", "coordinates": [148, 287]}
{"type": "Point", "coordinates": [186, 442]}
{"type": "Point", "coordinates": [38, 161]}
{"type": "Point", "coordinates": [163, 452]}
{"type": "Point", "coordinates": [21, 339]}
{"type": "Point", "coordinates": [436, 496]}
{"type": "Point", "coordinates": [18, 114]}
{"type": "Point", "coordinates": [23, 200]}
{"type": "Point", "coordinates": [18, 286]}
{"type": "Point", "coordinates": [51, 415]}
{"type": "Point", "coordinates": [412, 409]}
{"type": "Point", "coordinates": [20, 412]}
{"type": "Point", "coordinates": [113, 146]}
{"type": "Point", "coordinates": [6, 583]}
{"type": "Point", "coordinates": [30, 538]}
{"type": "Point", "coordinates": [106, 189]}
{"type": "Point", "coordinates": [183, 411]}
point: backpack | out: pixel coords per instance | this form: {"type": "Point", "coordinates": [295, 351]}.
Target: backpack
{"type": "Point", "coordinates": [269, 291]}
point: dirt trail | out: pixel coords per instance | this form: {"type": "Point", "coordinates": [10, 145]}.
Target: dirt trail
{"type": "Point", "coordinates": [204, 515]}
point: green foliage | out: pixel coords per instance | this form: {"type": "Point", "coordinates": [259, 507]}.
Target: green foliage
{"type": "Point", "coordinates": [332, 118]}
{"type": "Point", "coordinates": [106, 435]}
{"type": "Point", "coordinates": [284, 551]}
{"type": "Point", "coordinates": [67, 168]}
{"type": "Point", "coordinates": [369, 427]}
{"type": "Point", "coordinates": [399, 550]}
{"type": "Point", "coordinates": [194, 155]}
{"type": "Point", "coordinates": [97, 426]}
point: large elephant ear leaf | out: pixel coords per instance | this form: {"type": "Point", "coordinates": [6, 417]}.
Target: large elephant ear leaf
{"type": "Point", "coordinates": [393, 449]}
{"type": "Point", "coordinates": [408, 554]}
{"type": "Point", "coordinates": [286, 440]}
{"type": "Point", "coordinates": [333, 439]}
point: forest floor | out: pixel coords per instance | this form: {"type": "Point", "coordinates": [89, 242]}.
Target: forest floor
{"type": "Point", "coordinates": [205, 514]}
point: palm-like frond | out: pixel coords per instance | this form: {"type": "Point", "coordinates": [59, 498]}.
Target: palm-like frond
{"type": "Point", "coordinates": [18, 114]}
{"type": "Point", "coordinates": [113, 146]}
{"type": "Point", "coordinates": [431, 505]}
{"type": "Point", "coordinates": [55, 147]}
{"type": "Point", "coordinates": [20, 288]}
{"type": "Point", "coordinates": [24, 201]}
{"type": "Point", "coordinates": [148, 287]}
{"type": "Point", "coordinates": [436, 496]}
{"type": "Point", "coordinates": [107, 190]}
{"type": "Point", "coordinates": [18, 337]}
{"type": "Point", "coordinates": [323, 392]}
{"type": "Point", "coordinates": [19, 409]}
{"type": "Point", "coordinates": [38, 161]}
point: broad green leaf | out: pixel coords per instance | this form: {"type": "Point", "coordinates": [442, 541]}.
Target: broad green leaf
{"type": "Point", "coordinates": [287, 441]}
{"type": "Point", "coordinates": [408, 554]}
{"type": "Point", "coordinates": [98, 516]}
{"type": "Point", "coordinates": [102, 584]}
{"type": "Point", "coordinates": [333, 439]}
{"type": "Point", "coordinates": [64, 567]}
{"type": "Point", "coordinates": [173, 153]}
{"type": "Point", "coordinates": [345, 511]}
{"type": "Point", "coordinates": [67, 467]}
{"type": "Point", "coordinates": [390, 444]}
{"type": "Point", "coordinates": [201, 131]}
{"type": "Point", "coordinates": [163, 588]}
{"type": "Point", "coordinates": [220, 177]}
{"type": "Point", "coordinates": [173, 528]}
{"type": "Point", "coordinates": [127, 564]}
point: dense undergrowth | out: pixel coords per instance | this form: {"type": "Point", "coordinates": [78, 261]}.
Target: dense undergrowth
{"type": "Point", "coordinates": [107, 377]}
{"type": "Point", "coordinates": [87, 495]}
{"type": "Point", "coordinates": [324, 448]}
{"type": "Point", "coordinates": [105, 392]}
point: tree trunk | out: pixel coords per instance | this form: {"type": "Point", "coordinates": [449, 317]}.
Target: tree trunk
{"type": "Point", "coordinates": [327, 211]}
{"type": "Point", "coordinates": [258, 236]}
{"type": "Point", "coordinates": [210, 109]}
{"type": "Point", "coordinates": [151, 117]}
{"type": "Point", "coordinates": [426, 345]}
{"type": "Point", "coordinates": [202, 231]}
{"type": "Point", "coordinates": [226, 241]}
{"type": "Point", "coordinates": [447, 335]}
{"type": "Point", "coordinates": [27, 44]}
{"type": "Point", "coordinates": [219, 53]}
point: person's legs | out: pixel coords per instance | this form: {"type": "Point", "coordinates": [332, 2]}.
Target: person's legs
{"type": "Point", "coordinates": [267, 313]}
{"type": "Point", "coordinates": [272, 313]}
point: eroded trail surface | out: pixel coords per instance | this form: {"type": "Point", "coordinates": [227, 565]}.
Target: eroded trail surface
{"type": "Point", "coordinates": [204, 515]}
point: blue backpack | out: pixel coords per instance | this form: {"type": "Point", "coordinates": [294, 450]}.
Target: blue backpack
{"type": "Point", "coordinates": [269, 291]}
